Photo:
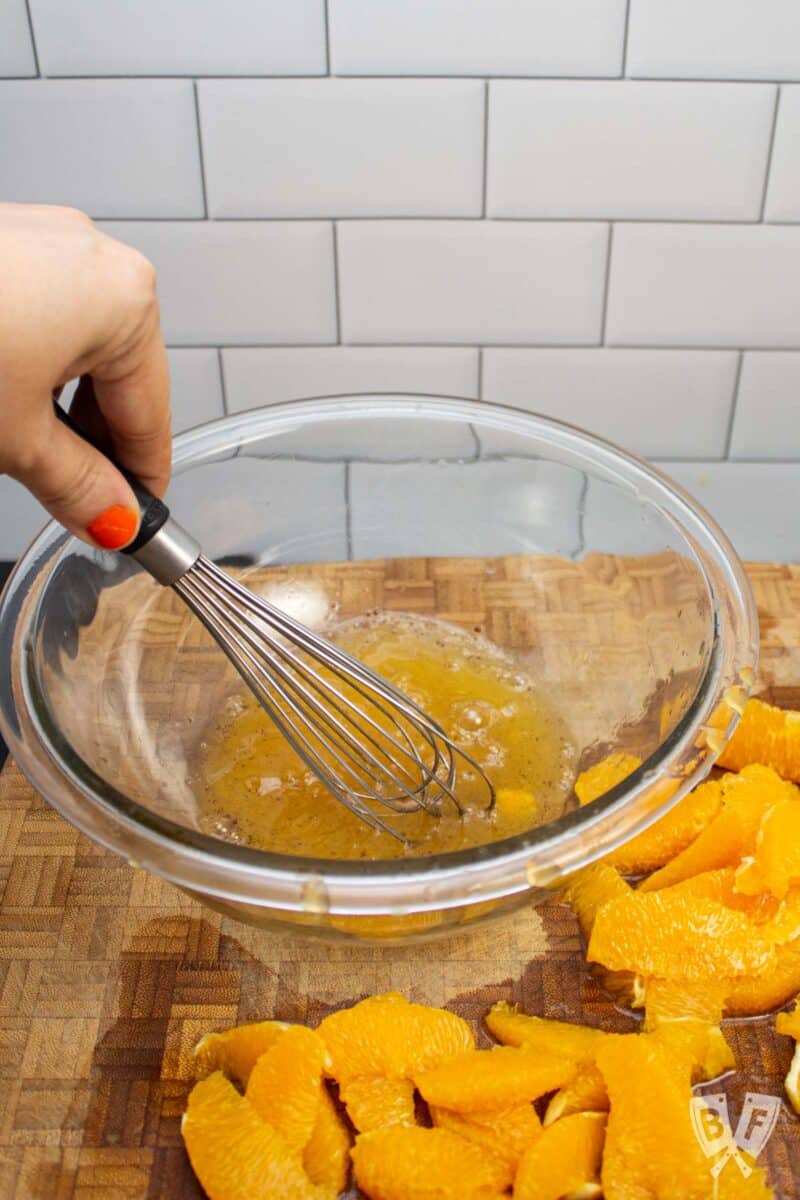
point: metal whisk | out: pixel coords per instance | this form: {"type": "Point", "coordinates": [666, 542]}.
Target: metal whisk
{"type": "Point", "coordinates": [364, 739]}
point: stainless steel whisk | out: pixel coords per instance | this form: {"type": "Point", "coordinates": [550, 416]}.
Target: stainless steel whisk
{"type": "Point", "coordinates": [365, 740]}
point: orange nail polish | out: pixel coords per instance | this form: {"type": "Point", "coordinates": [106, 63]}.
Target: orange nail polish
{"type": "Point", "coordinates": [114, 528]}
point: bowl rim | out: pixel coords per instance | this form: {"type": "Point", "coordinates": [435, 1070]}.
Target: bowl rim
{"type": "Point", "coordinates": [510, 866]}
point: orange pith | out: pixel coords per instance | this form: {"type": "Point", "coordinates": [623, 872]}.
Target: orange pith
{"type": "Point", "coordinates": [565, 1159]}
{"type": "Point", "coordinates": [768, 735]}
{"type": "Point", "coordinates": [410, 1163]}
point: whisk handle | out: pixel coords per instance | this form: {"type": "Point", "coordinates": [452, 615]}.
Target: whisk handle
{"type": "Point", "coordinates": [161, 546]}
{"type": "Point", "coordinates": [153, 512]}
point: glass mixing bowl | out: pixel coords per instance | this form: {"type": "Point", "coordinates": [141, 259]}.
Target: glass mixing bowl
{"type": "Point", "coordinates": [605, 581]}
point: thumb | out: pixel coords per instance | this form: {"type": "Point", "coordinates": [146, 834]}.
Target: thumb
{"type": "Point", "coordinates": [81, 488]}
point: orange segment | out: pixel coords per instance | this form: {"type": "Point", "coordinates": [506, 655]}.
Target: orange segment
{"type": "Point", "coordinates": [505, 1134]}
{"type": "Point", "coordinates": [651, 1149]}
{"type": "Point", "coordinates": [767, 989]}
{"type": "Point", "coordinates": [722, 885]}
{"type": "Point", "coordinates": [235, 1154]}
{"type": "Point", "coordinates": [668, 1000]}
{"type": "Point", "coordinates": [285, 1084]}
{"type": "Point", "coordinates": [768, 735]}
{"type": "Point", "coordinates": [373, 1103]}
{"type": "Point", "coordinates": [784, 924]}
{"type": "Point", "coordinates": [674, 936]}
{"type": "Point", "coordinates": [672, 833]}
{"type": "Point", "coordinates": [734, 1186]}
{"type": "Point", "coordinates": [564, 1160]}
{"type": "Point", "coordinates": [588, 890]}
{"type": "Point", "coordinates": [406, 1162]}
{"type": "Point", "coordinates": [700, 1045]}
{"type": "Point", "coordinates": [731, 835]}
{"type": "Point", "coordinates": [777, 859]}
{"type": "Point", "coordinates": [386, 1035]}
{"type": "Point", "coordinates": [600, 778]}
{"type": "Point", "coordinates": [788, 1023]}
{"type": "Point", "coordinates": [235, 1051]}
{"type": "Point", "coordinates": [511, 1027]}
{"type": "Point", "coordinates": [587, 1092]}
{"type": "Point", "coordinates": [326, 1157]}
{"type": "Point", "coordinates": [492, 1079]}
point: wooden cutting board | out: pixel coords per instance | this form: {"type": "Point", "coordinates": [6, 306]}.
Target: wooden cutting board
{"type": "Point", "coordinates": [109, 976]}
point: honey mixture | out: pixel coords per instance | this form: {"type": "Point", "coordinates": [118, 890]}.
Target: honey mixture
{"type": "Point", "coordinates": [255, 790]}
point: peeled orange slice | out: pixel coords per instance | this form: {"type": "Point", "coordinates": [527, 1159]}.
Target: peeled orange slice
{"type": "Point", "coordinates": [505, 1134]}
{"type": "Point", "coordinates": [586, 1092]}
{"type": "Point", "coordinates": [235, 1051]}
{"type": "Point", "coordinates": [286, 1083]}
{"type": "Point", "coordinates": [492, 1079]}
{"type": "Point", "coordinates": [410, 1163]}
{"type": "Point", "coordinates": [731, 835]}
{"type": "Point", "coordinates": [565, 1160]}
{"type": "Point", "coordinates": [326, 1157]}
{"type": "Point", "coordinates": [373, 1103]}
{"type": "Point", "coordinates": [650, 1148]}
{"type": "Point", "coordinates": [588, 890]}
{"type": "Point", "coordinates": [513, 1028]}
{"type": "Point", "coordinates": [677, 937]}
{"type": "Point", "coordinates": [776, 864]}
{"type": "Point", "coordinates": [670, 1000]}
{"type": "Point", "coordinates": [788, 1023]}
{"type": "Point", "coordinates": [235, 1154]}
{"type": "Point", "coordinates": [768, 735]}
{"type": "Point", "coordinates": [768, 989]}
{"type": "Point", "coordinates": [600, 778]}
{"type": "Point", "coordinates": [386, 1035]}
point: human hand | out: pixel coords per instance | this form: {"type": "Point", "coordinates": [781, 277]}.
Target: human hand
{"type": "Point", "coordinates": [74, 302]}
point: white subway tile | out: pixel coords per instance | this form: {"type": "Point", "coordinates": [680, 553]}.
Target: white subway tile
{"type": "Point", "coordinates": [783, 194]}
{"type": "Point", "coordinates": [750, 501]}
{"type": "Point", "coordinates": [256, 377]}
{"type": "Point", "coordinates": [195, 388]}
{"type": "Point", "coordinates": [16, 49]}
{"type": "Point", "coordinates": [705, 285]}
{"type": "Point", "coordinates": [478, 508]}
{"type": "Point", "coordinates": [21, 518]}
{"type": "Point", "coordinates": [622, 149]}
{"type": "Point", "coordinates": [236, 283]}
{"type": "Point", "coordinates": [180, 37]}
{"type": "Point", "coordinates": [767, 422]}
{"type": "Point", "coordinates": [463, 281]}
{"type": "Point", "coordinates": [343, 147]}
{"type": "Point", "coordinates": [268, 511]}
{"type": "Point", "coordinates": [482, 37]}
{"type": "Point", "coordinates": [653, 402]}
{"type": "Point", "coordinates": [113, 147]}
{"type": "Point", "coordinates": [714, 39]}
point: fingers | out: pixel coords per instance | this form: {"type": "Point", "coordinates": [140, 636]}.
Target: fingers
{"type": "Point", "coordinates": [132, 393]}
{"type": "Point", "coordinates": [80, 487]}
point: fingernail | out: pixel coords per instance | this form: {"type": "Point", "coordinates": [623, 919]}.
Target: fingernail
{"type": "Point", "coordinates": [114, 528]}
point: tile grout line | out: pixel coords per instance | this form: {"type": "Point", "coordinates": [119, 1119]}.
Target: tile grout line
{"type": "Point", "coordinates": [625, 40]}
{"type": "Point", "coordinates": [480, 372]}
{"type": "Point", "coordinates": [608, 78]}
{"type": "Point", "coordinates": [200, 148]}
{"type": "Point", "coordinates": [702, 222]}
{"type": "Point", "coordinates": [327, 39]}
{"type": "Point", "coordinates": [33, 39]}
{"type": "Point", "coordinates": [337, 299]}
{"type": "Point", "coordinates": [737, 379]}
{"type": "Point", "coordinates": [485, 183]}
{"type": "Point", "coordinates": [770, 148]}
{"type": "Point", "coordinates": [606, 283]}
{"type": "Point", "coordinates": [223, 385]}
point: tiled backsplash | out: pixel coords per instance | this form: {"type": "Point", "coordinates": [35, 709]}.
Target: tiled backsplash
{"type": "Point", "coordinates": [589, 208]}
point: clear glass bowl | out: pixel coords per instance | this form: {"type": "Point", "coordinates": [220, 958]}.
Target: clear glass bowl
{"type": "Point", "coordinates": [607, 582]}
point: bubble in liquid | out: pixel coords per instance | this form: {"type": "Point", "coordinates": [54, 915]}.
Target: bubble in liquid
{"type": "Point", "coordinates": [227, 828]}
{"type": "Point", "coordinates": [472, 715]}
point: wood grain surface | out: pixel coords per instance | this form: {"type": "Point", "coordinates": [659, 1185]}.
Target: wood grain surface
{"type": "Point", "coordinates": [108, 977]}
